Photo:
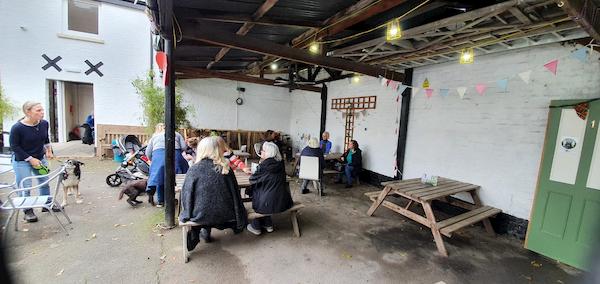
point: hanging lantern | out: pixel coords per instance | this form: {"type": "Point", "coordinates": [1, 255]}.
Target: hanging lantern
{"type": "Point", "coordinates": [274, 66]}
{"type": "Point", "coordinates": [467, 56]}
{"type": "Point", "coordinates": [394, 31]}
{"type": "Point", "coordinates": [314, 48]}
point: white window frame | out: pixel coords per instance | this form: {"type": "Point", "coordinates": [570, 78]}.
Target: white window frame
{"type": "Point", "coordinates": [77, 35]}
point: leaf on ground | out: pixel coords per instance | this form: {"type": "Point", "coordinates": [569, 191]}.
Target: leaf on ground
{"type": "Point", "coordinates": [117, 225]}
{"type": "Point", "coordinates": [346, 255]}
{"type": "Point", "coordinates": [527, 277]}
{"type": "Point", "coordinates": [560, 282]}
{"type": "Point", "coordinates": [159, 235]}
{"type": "Point", "coordinates": [53, 245]}
{"type": "Point", "coordinates": [536, 264]}
{"type": "Point", "coordinates": [60, 272]}
{"type": "Point", "coordinates": [25, 230]}
{"type": "Point", "coordinates": [115, 239]}
{"type": "Point", "coordinates": [89, 203]}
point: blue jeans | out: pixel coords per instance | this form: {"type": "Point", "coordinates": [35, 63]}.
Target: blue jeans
{"type": "Point", "coordinates": [22, 170]}
{"type": "Point", "coordinates": [348, 173]}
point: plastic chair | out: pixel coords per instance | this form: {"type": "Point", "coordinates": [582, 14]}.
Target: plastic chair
{"type": "Point", "coordinates": [310, 170]}
{"type": "Point", "coordinates": [17, 203]}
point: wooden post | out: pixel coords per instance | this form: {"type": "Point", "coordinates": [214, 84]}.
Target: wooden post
{"type": "Point", "coordinates": [403, 129]}
{"type": "Point", "coordinates": [323, 109]}
{"type": "Point", "coordinates": [169, 186]}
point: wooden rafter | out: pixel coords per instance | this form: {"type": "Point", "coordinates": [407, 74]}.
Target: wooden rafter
{"type": "Point", "coordinates": [245, 28]}
{"type": "Point", "coordinates": [188, 73]}
{"type": "Point", "coordinates": [191, 14]}
{"type": "Point", "coordinates": [586, 13]}
{"type": "Point", "coordinates": [208, 34]}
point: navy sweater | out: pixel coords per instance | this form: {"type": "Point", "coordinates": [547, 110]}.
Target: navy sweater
{"type": "Point", "coordinates": [28, 141]}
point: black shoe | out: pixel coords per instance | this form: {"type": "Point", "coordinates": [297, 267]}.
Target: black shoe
{"type": "Point", "coordinates": [348, 186]}
{"type": "Point", "coordinates": [54, 209]}
{"type": "Point", "coordinates": [29, 216]}
{"type": "Point", "coordinates": [323, 194]}
{"type": "Point", "coordinates": [305, 191]}
{"type": "Point", "coordinates": [205, 235]}
{"type": "Point", "coordinates": [192, 240]}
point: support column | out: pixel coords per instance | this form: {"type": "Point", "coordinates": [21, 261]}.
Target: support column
{"type": "Point", "coordinates": [402, 133]}
{"type": "Point", "coordinates": [169, 119]}
{"type": "Point", "coordinates": [323, 110]}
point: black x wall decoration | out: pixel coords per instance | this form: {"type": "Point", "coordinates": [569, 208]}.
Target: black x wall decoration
{"type": "Point", "coordinates": [52, 62]}
{"type": "Point", "coordinates": [94, 68]}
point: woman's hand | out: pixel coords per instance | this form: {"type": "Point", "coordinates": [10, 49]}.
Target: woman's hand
{"type": "Point", "coordinates": [35, 162]}
{"type": "Point", "coordinates": [49, 154]}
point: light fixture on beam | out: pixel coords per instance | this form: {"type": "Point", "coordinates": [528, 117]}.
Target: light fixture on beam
{"type": "Point", "coordinates": [467, 56]}
{"type": "Point", "coordinates": [314, 48]}
{"type": "Point", "coordinates": [356, 78]}
{"type": "Point", "coordinates": [274, 66]}
{"type": "Point", "coordinates": [394, 31]}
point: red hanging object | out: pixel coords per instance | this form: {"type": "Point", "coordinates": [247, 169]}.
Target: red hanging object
{"type": "Point", "coordinates": [582, 110]}
{"type": "Point", "coordinates": [162, 62]}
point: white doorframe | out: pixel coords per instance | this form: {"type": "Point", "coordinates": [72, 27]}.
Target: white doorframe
{"type": "Point", "coordinates": [60, 111]}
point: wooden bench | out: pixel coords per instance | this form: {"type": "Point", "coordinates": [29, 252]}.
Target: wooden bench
{"type": "Point", "coordinates": [417, 193]}
{"type": "Point", "coordinates": [186, 226]}
{"type": "Point", "coordinates": [332, 172]}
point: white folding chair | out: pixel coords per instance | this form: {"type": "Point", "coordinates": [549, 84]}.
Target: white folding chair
{"type": "Point", "coordinates": [309, 170]}
{"type": "Point", "coordinates": [15, 203]}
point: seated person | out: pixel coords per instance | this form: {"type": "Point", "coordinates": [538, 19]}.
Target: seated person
{"type": "Point", "coordinates": [270, 190]}
{"type": "Point", "coordinates": [352, 160]}
{"type": "Point", "coordinates": [325, 144]}
{"type": "Point", "coordinates": [313, 150]}
{"type": "Point", "coordinates": [210, 195]}
{"type": "Point", "coordinates": [234, 161]}
{"type": "Point", "coordinates": [190, 151]}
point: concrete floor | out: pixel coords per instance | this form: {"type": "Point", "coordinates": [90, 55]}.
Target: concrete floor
{"type": "Point", "coordinates": [111, 242]}
{"type": "Point", "coordinates": [73, 149]}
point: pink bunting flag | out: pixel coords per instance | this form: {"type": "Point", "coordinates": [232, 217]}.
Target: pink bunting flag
{"type": "Point", "coordinates": [551, 66]}
{"type": "Point", "coordinates": [429, 93]}
{"type": "Point", "coordinates": [393, 84]}
{"type": "Point", "coordinates": [480, 88]}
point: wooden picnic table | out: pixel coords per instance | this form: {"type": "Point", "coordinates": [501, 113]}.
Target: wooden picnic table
{"type": "Point", "coordinates": [418, 193]}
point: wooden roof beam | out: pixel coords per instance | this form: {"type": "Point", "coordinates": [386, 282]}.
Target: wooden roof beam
{"type": "Point", "coordinates": [245, 28]}
{"type": "Point", "coordinates": [188, 72]}
{"type": "Point", "coordinates": [586, 13]}
{"type": "Point", "coordinates": [192, 14]}
{"type": "Point", "coordinates": [209, 34]}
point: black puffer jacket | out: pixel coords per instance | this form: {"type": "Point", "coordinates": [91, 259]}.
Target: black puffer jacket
{"type": "Point", "coordinates": [211, 198]}
{"type": "Point", "coordinates": [270, 190]}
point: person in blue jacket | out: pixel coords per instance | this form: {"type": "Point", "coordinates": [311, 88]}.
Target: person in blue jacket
{"type": "Point", "coordinates": [325, 144]}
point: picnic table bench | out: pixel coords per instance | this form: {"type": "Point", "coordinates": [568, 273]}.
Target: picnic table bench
{"type": "Point", "coordinates": [418, 193]}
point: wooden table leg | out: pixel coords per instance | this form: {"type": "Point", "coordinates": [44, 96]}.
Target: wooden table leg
{"type": "Point", "coordinates": [439, 241]}
{"type": "Point", "coordinates": [380, 198]}
{"type": "Point", "coordinates": [486, 222]}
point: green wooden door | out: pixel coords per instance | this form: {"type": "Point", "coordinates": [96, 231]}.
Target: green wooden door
{"type": "Point", "coordinates": [564, 221]}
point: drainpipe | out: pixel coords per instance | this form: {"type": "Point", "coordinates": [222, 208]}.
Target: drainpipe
{"type": "Point", "coordinates": [403, 131]}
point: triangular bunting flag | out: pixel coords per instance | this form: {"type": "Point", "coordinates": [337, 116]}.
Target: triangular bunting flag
{"type": "Point", "coordinates": [429, 93]}
{"type": "Point", "coordinates": [480, 88]}
{"type": "Point", "coordinates": [398, 98]}
{"type": "Point", "coordinates": [393, 85]}
{"type": "Point", "coordinates": [502, 84]}
{"type": "Point", "coordinates": [401, 88]}
{"type": "Point", "coordinates": [525, 76]}
{"type": "Point", "coordinates": [415, 91]}
{"type": "Point", "coordinates": [387, 82]}
{"type": "Point", "coordinates": [444, 92]}
{"type": "Point", "coordinates": [461, 91]}
{"type": "Point", "coordinates": [582, 110]}
{"type": "Point", "coordinates": [581, 54]}
{"type": "Point", "coordinates": [382, 80]}
{"type": "Point", "coordinates": [551, 66]}
{"type": "Point", "coordinates": [425, 84]}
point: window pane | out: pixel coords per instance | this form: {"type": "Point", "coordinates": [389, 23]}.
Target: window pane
{"type": "Point", "coordinates": [83, 17]}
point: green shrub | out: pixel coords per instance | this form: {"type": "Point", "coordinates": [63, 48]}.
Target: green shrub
{"type": "Point", "coordinates": [153, 103]}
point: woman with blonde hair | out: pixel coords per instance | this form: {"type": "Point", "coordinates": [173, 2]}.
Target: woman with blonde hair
{"type": "Point", "coordinates": [210, 194]}
{"type": "Point", "coordinates": [30, 144]}
{"type": "Point", "coordinates": [155, 151]}
{"type": "Point", "coordinates": [270, 190]}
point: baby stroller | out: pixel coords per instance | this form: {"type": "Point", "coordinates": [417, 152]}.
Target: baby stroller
{"type": "Point", "coordinates": [133, 163]}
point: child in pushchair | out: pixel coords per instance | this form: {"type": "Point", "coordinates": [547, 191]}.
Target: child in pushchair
{"type": "Point", "coordinates": [133, 163]}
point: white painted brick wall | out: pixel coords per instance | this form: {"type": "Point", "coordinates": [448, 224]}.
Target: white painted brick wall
{"type": "Point", "coordinates": [213, 101]}
{"type": "Point", "coordinates": [374, 130]}
{"type": "Point", "coordinates": [494, 140]}
{"type": "Point", "coordinates": [305, 118]}
{"type": "Point", "coordinates": [125, 54]}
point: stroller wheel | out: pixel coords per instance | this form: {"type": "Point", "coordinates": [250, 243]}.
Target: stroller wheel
{"type": "Point", "coordinates": [114, 180]}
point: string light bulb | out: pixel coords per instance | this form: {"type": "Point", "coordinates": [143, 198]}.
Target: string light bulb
{"type": "Point", "coordinates": [467, 56]}
{"type": "Point", "coordinates": [314, 48]}
{"type": "Point", "coordinates": [394, 31]}
{"type": "Point", "coordinates": [356, 78]}
{"type": "Point", "coordinates": [274, 66]}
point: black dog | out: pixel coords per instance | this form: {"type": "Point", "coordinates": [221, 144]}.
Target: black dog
{"type": "Point", "coordinates": [134, 189]}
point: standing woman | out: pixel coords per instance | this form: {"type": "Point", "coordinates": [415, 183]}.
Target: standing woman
{"type": "Point", "coordinates": [270, 191]}
{"type": "Point", "coordinates": [155, 151]}
{"type": "Point", "coordinates": [31, 146]}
